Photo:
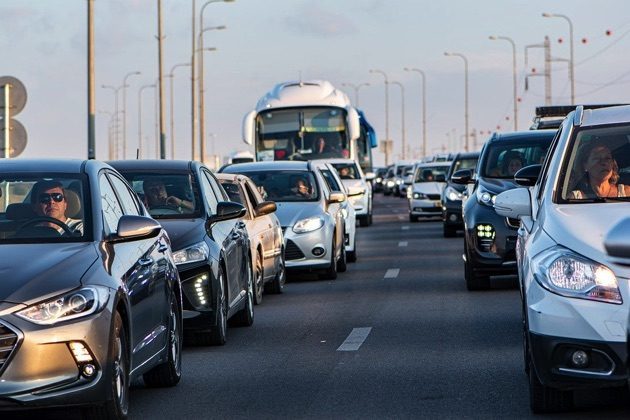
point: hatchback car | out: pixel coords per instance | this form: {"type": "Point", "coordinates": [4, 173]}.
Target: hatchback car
{"type": "Point", "coordinates": [427, 183]}
{"type": "Point", "coordinates": [310, 214]}
{"type": "Point", "coordinates": [265, 233]}
{"type": "Point", "coordinates": [575, 296]}
{"type": "Point", "coordinates": [489, 239]}
{"type": "Point", "coordinates": [358, 186]}
{"type": "Point", "coordinates": [210, 246]}
{"type": "Point", "coordinates": [453, 193]}
{"type": "Point", "coordinates": [90, 298]}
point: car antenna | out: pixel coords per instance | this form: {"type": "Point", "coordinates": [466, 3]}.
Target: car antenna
{"type": "Point", "coordinates": [137, 153]}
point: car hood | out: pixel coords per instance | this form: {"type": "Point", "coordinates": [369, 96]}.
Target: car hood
{"type": "Point", "coordinates": [428, 187]}
{"type": "Point", "coordinates": [289, 213]}
{"type": "Point", "coordinates": [581, 227]}
{"type": "Point", "coordinates": [30, 273]}
{"type": "Point", "coordinates": [184, 232]}
{"type": "Point", "coordinates": [497, 185]}
{"type": "Point", "coordinates": [353, 183]}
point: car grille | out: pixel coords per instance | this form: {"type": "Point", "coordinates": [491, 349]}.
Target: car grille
{"type": "Point", "coordinates": [433, 196]}
{"type": "Point", "coordinates": [8, 341]}
{"type": "Point", "coordinates": [292, 251]}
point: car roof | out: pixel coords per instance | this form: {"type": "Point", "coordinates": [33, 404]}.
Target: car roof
{"type": "Point", "coordinates": [433, 164]}
{"type": "Point", "coordinates": [521, 135]}
{"type": "Point", "coordinates": [154, 164]}
{"type": "Point", "coordinates": [602, 116]}
{"type": "Point", "coordinates": [230, 177]}
{"type": "Point", "coordinates": [466, 155]}
{"type": "Point", "coordinates": [335, 160]}
{"type": "Point", "coordinates": [48, 165]}
{"type": "Point", "coordinates": [275, 165]}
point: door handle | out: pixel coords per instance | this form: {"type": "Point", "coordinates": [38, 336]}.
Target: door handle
{"type": "Point", "coordinates": [162, 247]}
{"type": "Point", "coordinates": [145, 261]}
{"type": "Point", "coordinates": [241, 225]}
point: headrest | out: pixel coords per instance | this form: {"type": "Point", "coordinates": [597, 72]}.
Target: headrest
{"type": "Point", "coordinates": [73, 201]}
{"type": "Point", "coordinates": [20, 211]}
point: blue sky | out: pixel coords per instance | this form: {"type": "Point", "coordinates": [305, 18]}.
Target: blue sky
{"type": "Point", "coordinates": [44, 44]}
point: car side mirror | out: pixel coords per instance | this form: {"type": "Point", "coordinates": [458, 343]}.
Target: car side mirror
{"type": "Point", "coordinates": [528, 175]}
{"type": "Point", "coordinates": [265, 207]}
{"type": "Point", "coordinates": [336, 197]}
{"type": "Point", "coordinates": [462, 177]}
{"type": "Point", "coordinates": [132, 227]}
{"type": "Point", "coordinates": [513, 203]}
{"type": "Point", "coordinates": [616, 242]}
{"type": "Point", "coordinates": [226, 210]}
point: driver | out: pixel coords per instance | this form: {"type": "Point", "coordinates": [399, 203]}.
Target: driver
{"type": "Point", "coordinates": [155, 195]}
{"type": "Point", "coordinates": [48, 199]}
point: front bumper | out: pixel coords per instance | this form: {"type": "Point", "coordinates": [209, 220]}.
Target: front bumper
{"type": "Point", "coordinates": [199, 292]}
{"type": "Point", "coordinates": [426, 208]}
{"type": "Point", "coordinates": [300, 248]}
{"type": "Point", "coordinates": [452, 214]}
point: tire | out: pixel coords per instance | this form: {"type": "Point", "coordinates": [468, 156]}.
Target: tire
{"type": "Point", "coordinates": [245, 317]}
{"type": "Point", "coordinates": [259, 280]}
{"type": "Point", "coordinates": [118, 406]}
{"type": "Point", "coordinates": [544, 399]}
{"type": "Point", "coordinates": [342, 264]}
{"type": "Point", "coordinates": [276, 286]}
{"type": "Point", "coordinates": [218, 334]}
{"type": "Point", "coordinates": [169, 373]}
{"type": "Point", "coordinates": [412, 218]}
{"type": "Point", "coordinates": [370, 219]}
{"type": "Point", "coordinates": [474, 281]}
{"type": "Point", "coordinates": [364, 221]}
{"type": "Point", "coordinates": [449, 231]}
{"type": "Point", "coordinates": [351, 256]}
{"type": "Point", "coordinates": [331, 272]}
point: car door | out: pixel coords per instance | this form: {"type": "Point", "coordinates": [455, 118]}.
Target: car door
{"type": "Point", "coordinates": [264, 228]}
{"type": "Point", "coordinates": [334, 209]}
{"type": "Point", "coordinates": [136, 263]}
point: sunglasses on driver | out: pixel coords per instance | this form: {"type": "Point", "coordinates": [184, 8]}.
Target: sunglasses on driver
{"type": "Point", "coordinates": [45, 198]}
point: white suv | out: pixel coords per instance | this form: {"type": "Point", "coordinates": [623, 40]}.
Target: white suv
{"type": "Point", "coordinates": [575, 297]}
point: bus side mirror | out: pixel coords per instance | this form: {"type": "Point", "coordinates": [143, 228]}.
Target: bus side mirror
{"type": "Point", "coordinates": [354, 127]}
{"type": "Point", "coordinates": [249, 127]}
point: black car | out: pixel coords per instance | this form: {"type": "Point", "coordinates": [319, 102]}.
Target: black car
{"type": "Point", "coordinates": [210, 246]}
{"type": "Point", "coordinates": [379, 179]}
{"type": "Point", "coordinates": [90, 297]}
{"type": "Point", "coordinates": [489, 239]}
{"type": "Point", "coordinates": [453, 193]}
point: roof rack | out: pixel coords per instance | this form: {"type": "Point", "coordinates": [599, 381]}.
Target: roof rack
{"type": "Point", "coordinates": [553, 115]}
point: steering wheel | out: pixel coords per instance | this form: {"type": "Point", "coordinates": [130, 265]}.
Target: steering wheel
{"type": "Point", "coordinates": [45, 219]}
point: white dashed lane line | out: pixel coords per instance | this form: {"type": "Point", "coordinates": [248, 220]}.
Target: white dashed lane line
{"type": "Point", "coordinates": [405, 227]}
{"type": "Point", "coordinates": [403, 243]}
{"type": "Point", "coordinates": [356, 338]}
{"type": "Point", "coordinates": [392, 273]}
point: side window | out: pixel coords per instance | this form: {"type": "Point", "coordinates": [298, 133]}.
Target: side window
{"type": "Point", "coordinates": [208, 194]}
{"type": "Point", "coordinates": [254, 196]}
{"type": "Point", "coordinates": [218, 190]}
{"type": "Point", "coordinates": [127, 199]}
{"type": "Point", "coordinates": [330, 180]}
{"type": "Point", "coordinates": [112, 211]}
{"type": "Point", "coordinates": [544, 172]}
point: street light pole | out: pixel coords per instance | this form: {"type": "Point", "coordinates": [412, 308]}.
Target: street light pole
{"type": "Point", "coordinates": [171, 75]}
{"type": "Point", "coordinates": [511, 41]}
{"type": "Point", "coordinates": [91, 146]}
{"type": "Point", "coordinates": [424, 108]}
{"type": "Point", "coordinates": [124, 111]}
{"type": "Point", "coordinates": [161, 84]}
{"type": "Point", "coordinates": [116, 90]}
{"type": "Point", "coordinates": [450, 54]}
{"type": "Point", "coordinates": [356, 91]}
{"type": "Point", "coordinates": [140, 116]}
{"type": "Point", "coordinates": [402, 99]}
{"type": "Point", "coordinates": [386, 102]}
{"type": "Point", "coordinates": [572, 62]}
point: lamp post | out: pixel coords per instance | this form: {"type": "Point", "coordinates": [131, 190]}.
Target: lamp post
{"type": "Point", "coordinates": [572, 62]}
{"type": "Point", "coordinates": [402, 99]}
{"type": "Point", "coordinates": [424, 108]}
{"type": "Point", "coordinates": [116, 90]}
{"type": "Point", "coordinates": [356, 91]}
{"type": "Point", "coordinates": [140, 115]}
{"type": "Point", "coordinates": [124, 112]}
{"type": "Point", "coordinates": [202, 109]}
{"type": "Point", "coordinates": [451, 54]}
{"type": "Point", "coordinates": [171, 75]}
{"type": "Point", "coordinates": [386, 101]}
{"type": "Point", "coordinates": [511, 41]}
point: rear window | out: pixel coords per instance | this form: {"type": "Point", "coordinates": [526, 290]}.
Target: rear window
{"type": "Point", "coordinates": [502, 159]}
{"type": "Point", "coordinates": [286, 185]}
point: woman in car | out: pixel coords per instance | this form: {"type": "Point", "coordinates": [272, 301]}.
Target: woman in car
{"type": "Point", "coordinates": [599, 174]}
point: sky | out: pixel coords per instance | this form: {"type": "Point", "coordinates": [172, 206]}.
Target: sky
{"type": "Point", "coordinates": [44, 45]}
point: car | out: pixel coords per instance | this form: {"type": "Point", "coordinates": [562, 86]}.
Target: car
{"type": "Point", "coordinates": [210, 245]}
{"type": "Point", "coordinates": [264, 231]}
{"type": "Point", "coordinates": [335, 184]}
{"type": "Point", "coordinates": [426, 185]}
{"type": "Point", "coordinates": [358, 188]}
{"type": "Point", "coordinates": [452, 194]}
{"type": "Point", "coordinates": [379, 179]}
{"type": "Point", "coordinates": [389, 181]}
{"type": "Point", "coordinates": [575, 297]}
{"type": "Point", "coordinates": [309, 212]}
{"type": "Point", "coordinates": [93, 299]}
{"type": "Point", "coordinates": [406, 181]}
{"type": "Point", "coordinates": [401, 169]}
{"type": "Point", "coordinates": [489, 239]}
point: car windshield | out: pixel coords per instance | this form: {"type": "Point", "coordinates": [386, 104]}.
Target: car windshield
{"type": "Point", "coordinates": [166, 196]}
{"type": "Point", "coordinates": [504, 159]}
{"type": "Point", "coordinates": [430, 173]}
{"type": "Point", "coordinates": [286, 185]}
{"type": "Point", "coordinates": [347, 170]}
{"type": "Point", "coordinates": [597, 166]}
{"type": "Point", "coordinates": [43, 208]}
{"type": "Point", "coordinates": [465, 163]}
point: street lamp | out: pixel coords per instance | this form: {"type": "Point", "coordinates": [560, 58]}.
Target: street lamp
{"type": "Point", "coordinates": [356, 91]}
{"type": "Point", "coordinates": [511, 41]}
{"type": "Point", "coordinates": [171, 75]}
{"type": "Point", "coordinates": [451, 54]}
{"type": "Point", "coordinates": [572, 63]}
{"type": "Point", "coordinates": [424, 108]}
{"type": "Point", "coordinates": [140, 114]}
{"type": "Point", "coordinates": [115, 90]}
{"type": "Point", "coordinates": [202, 114]}
{"type": "Point", "coordinates": [386, 101]}
{"type": "Point", "coordinates": [124, 111]}
{"type": "Point", "coordinates": [402, 99]}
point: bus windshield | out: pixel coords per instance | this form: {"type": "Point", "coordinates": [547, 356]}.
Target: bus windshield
{"type": "Point", "coordinates": [302, 134]}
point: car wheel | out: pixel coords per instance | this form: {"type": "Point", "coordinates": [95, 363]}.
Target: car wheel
{"type": "Point", "coordinates": [351, 256]}
{"type": "Point", "coordinates": [218, 334]}
{"type": "Point", "coordinates": [259, 279]}
{"type": "Point", "coordinates": [364, 221]}
{"type": "Point", "coordinates": [544, 399]}
{"type": "Point", "coordinates": [118, 406]}
{"type": "Point", "coordinates": [474, 281]}
{"type": "Point", "coordinates": [245, 317]}
{"type": "Point", "coordinates": [412, 218]}
{"type": "Point", "coordinates": [342, 263]}
{"type": "Point", "coordinates": [169, 373]}
{"type": "Point", "coordinates": [331, 272]}
{"type": "Point", "coordinates": [276, 286]}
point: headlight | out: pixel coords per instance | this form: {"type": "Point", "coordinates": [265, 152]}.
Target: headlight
{"type": "Point", "coordinates": [72, 305]}
{"type": "Point", "coordinates": [419, 196]}
{"type": "Point", "coordinates": [390, 184]}
{"type": "Point", "coordinates": [308, 225]}
{"type": "Point", "coordinates": [452, 194]}
{"type": "Point", "coordinates": [485, 197]}
{"type": "Point", "coordinates": [379, 180]}
{"type": "Point", "coordinates": [566, 273]}
{"type": "Point", "coordinates": [193, 253]}
{"type": "Point", "coordinates": [398, 182]}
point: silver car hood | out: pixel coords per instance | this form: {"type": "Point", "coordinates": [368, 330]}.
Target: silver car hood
{"type": "Point", "coordinates": [288, 213]}
{"type": "Point", "coordinates": [429, 187]}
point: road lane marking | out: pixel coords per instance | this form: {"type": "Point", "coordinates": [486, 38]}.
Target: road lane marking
{"type": "Point", "coordinates": [401, 217]}
{"type": "Point", "coordinates": [392, 273]}
{"type": "Point", "coordinates": [403, 243]}
{"type": "Point", "coordinates": [355, 339]}
{"type": "Point", "coordinates": [405, 227]}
